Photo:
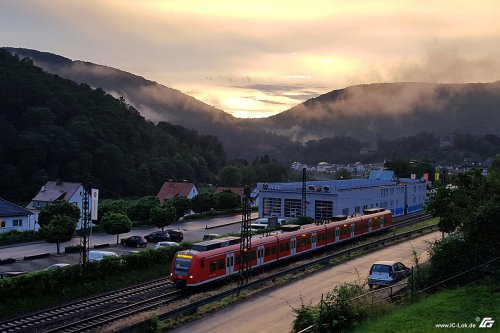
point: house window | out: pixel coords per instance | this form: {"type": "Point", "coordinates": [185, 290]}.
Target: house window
{"type": "Point", "coordinates": [293, 207]}
{"type": "Point", "coordinates": [271, 207]}
{"type": "Point", "coordinates": [345, 211]}
{"type": "Point", "coordinates": [392, 190]}
{"type": "Point", "coordinates": [17, 223]}
{"type": "Point", "coordinates": [357, 210]}
{"type": "Point", "coordinates": [2, 224]}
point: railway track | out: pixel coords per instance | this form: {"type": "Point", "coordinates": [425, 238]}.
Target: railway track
{"type": "Point", "coordinates": [52, 319]}
{"type": "Point", "coordinates": [192, 307]}
{"type": "Point", "coordinates": [80, 316]}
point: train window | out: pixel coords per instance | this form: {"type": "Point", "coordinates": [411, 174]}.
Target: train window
{"type": "Point", "coordinates": [287, 246]}
{"type": "Point", "coordinates": [282, 247]}
{"type": "Point", "coordinates": [298, 242]}
{"type": "Point", "coordinates": [267, 252]}
{"type": "Point", "coordinates": [253, 255]}
{"type": "Point", "coordinates": [331, 234]}
{"type": "Point", "coordinates": [202, 263]}
{"type": "Point", "coordinates": [213, 266]}
{"type": "Point", "coordinates": [237, 260]}
{"type": "Point", "coordinates": [221, 264]}
{"type": "Point", "coordinates": [273, 250]}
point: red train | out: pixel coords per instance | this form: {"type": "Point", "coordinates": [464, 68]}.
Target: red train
{"type": "Point", "coordinates": [194, 268]}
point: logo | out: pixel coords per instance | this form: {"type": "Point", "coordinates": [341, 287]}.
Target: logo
{"type": "Point", "coordinates": [487, 322]}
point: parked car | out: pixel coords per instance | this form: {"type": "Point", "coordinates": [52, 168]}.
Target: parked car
{"type": "Point", "coordinates": [165, 244]}
{"type": "Point", "coordinates": [385, 273]}
{"type": "Point", "coordinates": [56, 267]}
{"type": "Point", "coordinates": [157, 236]}
{"type": "Point", "coordinates": [135, 241]}
{"type": "Point", "coordinates": [99, 255]}
{"type": "Point", "coordinates": [175, 235]}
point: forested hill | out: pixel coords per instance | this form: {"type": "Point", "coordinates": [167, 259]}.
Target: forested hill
{"type": "Point", "coordinates": [160, 103]}
{"type": "Point", "coordinates": [55, 128]}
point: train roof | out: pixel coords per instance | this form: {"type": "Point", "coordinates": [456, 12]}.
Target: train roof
{"type": "Point", "coordinates": [276, 236]}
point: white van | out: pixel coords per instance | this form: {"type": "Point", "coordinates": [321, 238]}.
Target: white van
{"type": "Point", "coordinates": [99, 255]}
{"type": "Point", "coordinates": [263, 223]}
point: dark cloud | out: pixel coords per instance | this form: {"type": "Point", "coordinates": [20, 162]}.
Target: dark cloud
{"type": "Point", "coordinates": [267, 101]}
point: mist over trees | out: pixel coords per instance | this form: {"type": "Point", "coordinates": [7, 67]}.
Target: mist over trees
{"type": "Point", "coordinates": [54, 128]}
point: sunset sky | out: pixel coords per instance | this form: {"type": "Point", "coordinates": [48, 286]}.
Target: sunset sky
{"type": "Point", "coordinates": [257, 58]}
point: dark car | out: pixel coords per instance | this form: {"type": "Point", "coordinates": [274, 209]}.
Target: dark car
{"type": "Point", "coordinates": [158, 236]}
{"type": "Point", "coordinates": [175, 235]}
{"type": "Point", "coordinates": [135, 241]}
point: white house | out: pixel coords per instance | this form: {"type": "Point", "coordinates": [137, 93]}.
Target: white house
{"type": "Point", "coordinates": [14, 217]}
{"type": "Point", "coordinates": [58, 190]}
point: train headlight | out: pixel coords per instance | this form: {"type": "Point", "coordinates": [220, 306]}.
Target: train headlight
{"type": "Point", "coordinates": [190, 276]}
{"type": "Point", "coordinates": [171, 274]}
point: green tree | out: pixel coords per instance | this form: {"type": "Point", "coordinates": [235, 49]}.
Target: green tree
{"type": "Point", "coordinates": [163, 215]}
{"type": "Point", "coordinates": [203, 202]}
{"type": "Point", "coordinates": [61, 207]}
{"type": "Point", "coordinates": [343, 174]}
{"type": "Point", "coordinates": [181, 204]}
{"type": "Point", "coordinates": [60, 228]}
{"type": "Point", "coordinates": [230, 176]}
{"type": "Point", "coordinates": [140, 210]}
{"type": "Point", "coordinates": [111, 206]}
{"type": "Point", "coordinates": [116, 224]}
{"type": "Point", "coordinates": [227, 200]}
{"type": "Point", "coordinates": [495, 165]}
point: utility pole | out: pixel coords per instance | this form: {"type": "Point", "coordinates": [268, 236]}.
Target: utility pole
{"type": "Point", "coordinates": [246, 238]}
{"type": "Point", "coordinates": [303, 202]}
{"type": "Point", "coordinates": [84, 239]}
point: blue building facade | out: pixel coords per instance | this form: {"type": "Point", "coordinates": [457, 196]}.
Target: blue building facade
{"type": "Point", "coordinates": [325, 199]}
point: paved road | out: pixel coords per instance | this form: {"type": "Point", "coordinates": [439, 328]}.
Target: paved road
{"type": "Point", "coordinates": [192, 230]}
{"type": "Point", "coordinates": [272, 312]}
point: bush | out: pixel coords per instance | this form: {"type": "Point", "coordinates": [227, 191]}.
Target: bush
{"type": "Point", "coordinates": [301, 220]}
{"type": "Point", "coordinates": [336, 313]}
{"type": "Point", "coordinates": [15, 236]}
{"type": "Point", "coordinates": [73, 249]}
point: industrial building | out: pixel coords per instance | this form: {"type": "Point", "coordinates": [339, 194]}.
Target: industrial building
{"type": "Point", "coordinates": [324, 199]}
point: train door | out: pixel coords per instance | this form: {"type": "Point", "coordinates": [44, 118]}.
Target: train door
{"type": "Point", "coordinates": [382, 219]}
{"type": "Point", "coordinates": [370, 223]}
{"type": "Point", "coordinates": [352, 229]}
{"type": "Point", "coordinates": [293, 245]}
{"type": "Point", "coordinates": [260, 255]}
{"type": "Point", "coordinates": [314, 238]}
{"type": "Point", "coordinates": [229, 263]}
{"type": "Point", "coordinates": [337, 234]}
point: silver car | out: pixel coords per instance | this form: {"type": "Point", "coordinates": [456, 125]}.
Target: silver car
{"type": "Point", "coordinates": [385, 273]}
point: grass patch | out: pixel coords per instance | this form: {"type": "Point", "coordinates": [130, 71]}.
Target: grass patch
{"type": "Point", "coordinates": [69, 293]}
{"type": "Point", "coordinates": [459, 306]}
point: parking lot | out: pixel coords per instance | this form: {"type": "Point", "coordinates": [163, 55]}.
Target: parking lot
{"type": "Point", "coordinates": [193, 231]}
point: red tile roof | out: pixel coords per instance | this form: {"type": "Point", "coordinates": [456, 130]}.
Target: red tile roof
{"type": "Point", "coordinates": [235, 190]}
{"type": "Point", "coordinates": [171, 190]}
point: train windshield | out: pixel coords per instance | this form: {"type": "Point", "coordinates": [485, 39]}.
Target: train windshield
{"type": "Point", "coordinates": [182, 266]}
